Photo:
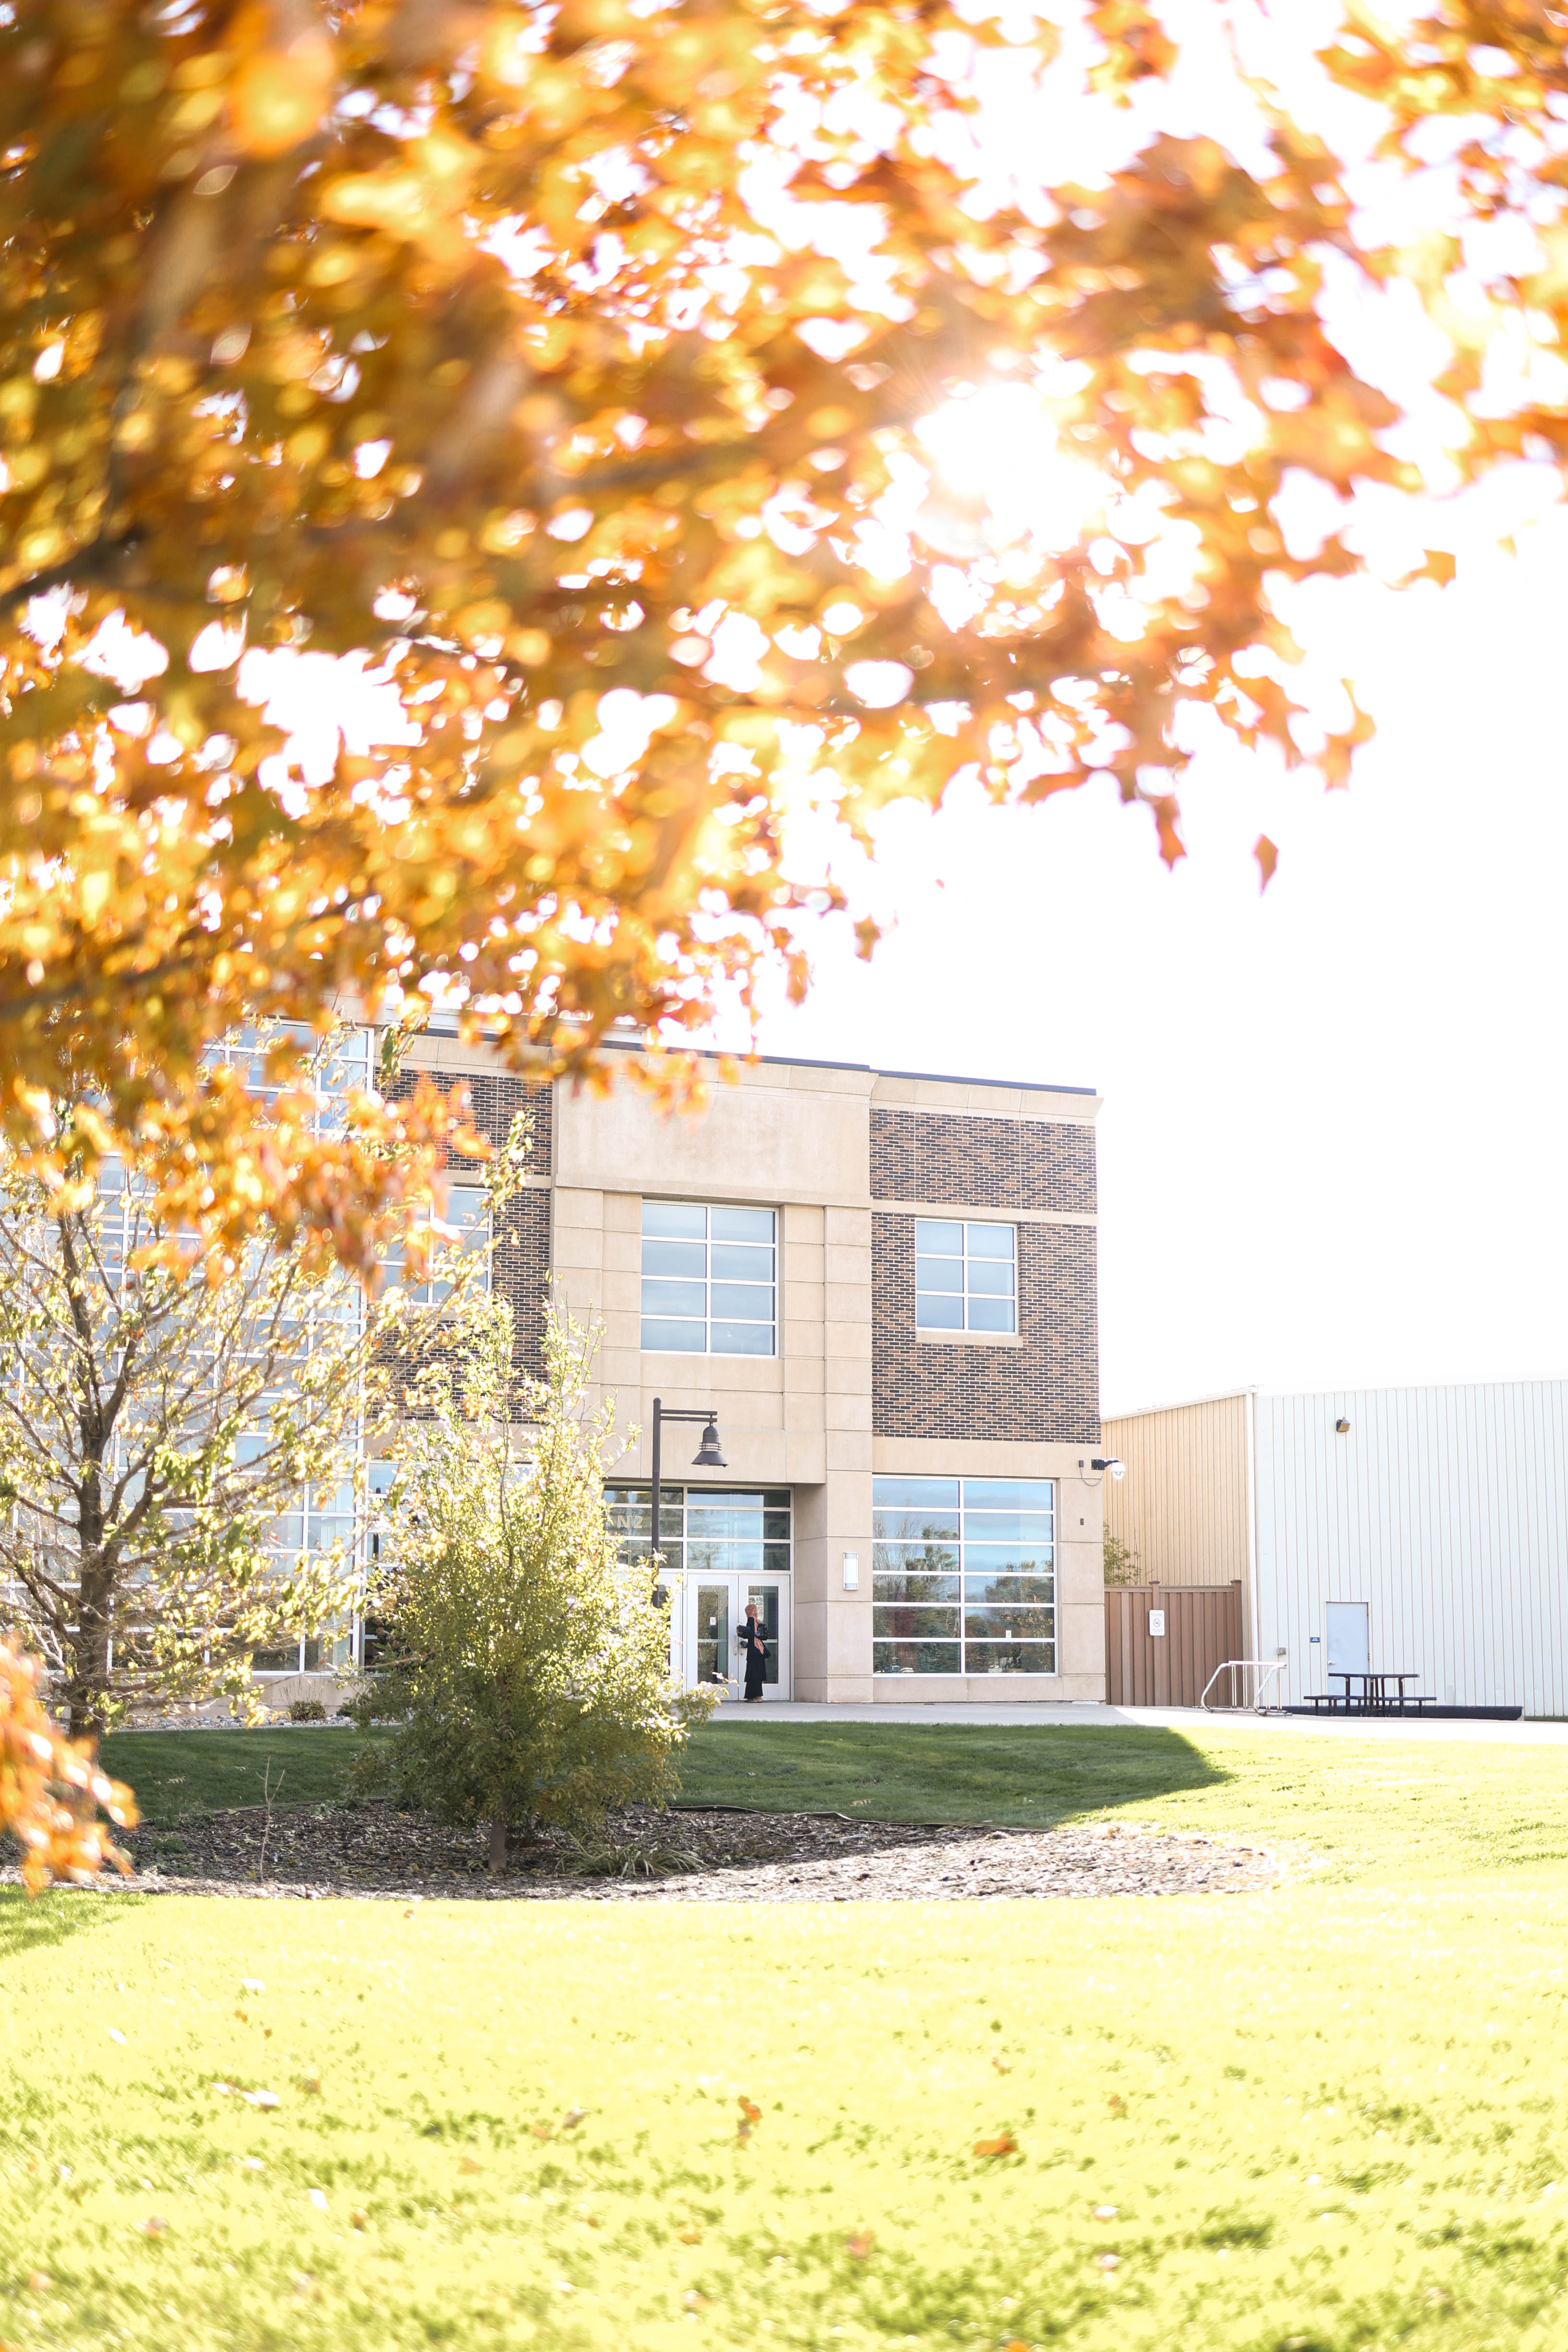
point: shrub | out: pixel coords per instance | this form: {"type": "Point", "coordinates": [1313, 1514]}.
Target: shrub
{"type": "Point", "coordinates": [526, 1672]}
{"type": "Point", "coordinates": [306, 1710]}
{"type": "Point", "coordinates": [1121, 1562]}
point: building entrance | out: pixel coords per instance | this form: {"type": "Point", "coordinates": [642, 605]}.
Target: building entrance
{"type": "Point", "coordinates": [715, 1610]}
{"type": "Point", "coordinates": [722, 1547]}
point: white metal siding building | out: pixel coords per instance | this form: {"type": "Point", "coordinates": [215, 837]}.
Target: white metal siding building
{"type": "Point", "coordinates": [1442, 1511]}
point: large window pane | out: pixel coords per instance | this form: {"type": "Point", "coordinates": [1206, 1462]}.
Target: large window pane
{"type": "Point", "coordinates": [1009, 1658]}
{"type": "Point", "coordinates": [683, 1220]}
{"type": "Point", "coordinates": [684, 1339]}
{"type": "Point", "coordinates": [713, 1268]}
{"type": "Point", "coordinates": [684, 1258]}
{"type": "Point", "coordinates": [1002, 1564]}
{"type": "Point", "coordinates": [915, 1657]}
{"type": "Point", "coordinates": [735, 1262]}
{"type": "Point", "coordinates": [915, 1625]}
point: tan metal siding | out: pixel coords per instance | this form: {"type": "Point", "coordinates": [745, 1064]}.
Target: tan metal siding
{"type": "Point", "coordinates": [1203, 1630]}
{"type": "Point", "coordinates": [1182, 1504]}
{"type": "Point", "coordinates": [1446, 1510]}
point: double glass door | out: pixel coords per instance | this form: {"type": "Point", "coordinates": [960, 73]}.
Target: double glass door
{"type": "Point", "coordinates": [713, 1607]}
{"type": "Point", "coordinates": [722, 1547]}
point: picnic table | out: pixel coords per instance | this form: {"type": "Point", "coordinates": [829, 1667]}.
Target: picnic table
{"type": "Point", "coordinates": [1382, 1692]}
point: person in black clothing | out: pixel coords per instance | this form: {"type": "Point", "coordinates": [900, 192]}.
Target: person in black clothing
{"type": "Point", "coordinates": [754, 1643]}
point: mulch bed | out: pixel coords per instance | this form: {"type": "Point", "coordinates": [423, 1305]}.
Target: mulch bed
{"type": "Point", "coordinates": [685, 1856]}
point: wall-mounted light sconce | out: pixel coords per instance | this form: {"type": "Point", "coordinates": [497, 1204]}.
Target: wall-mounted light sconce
{"type": "Point", "coordinates": [1103, 1462]}
{"type": "Point", "coordinates": [852, 1571]}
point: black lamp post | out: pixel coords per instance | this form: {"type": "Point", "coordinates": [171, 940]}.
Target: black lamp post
{"type": "Point", "coordinates": [708, 1455]}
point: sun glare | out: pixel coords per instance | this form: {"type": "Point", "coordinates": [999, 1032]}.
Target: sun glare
{"type": "Point", "coordinates": [1000, 475]}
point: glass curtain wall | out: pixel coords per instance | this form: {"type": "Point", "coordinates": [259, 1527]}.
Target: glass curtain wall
{"type": "Point", "coordinates": [963, 1576]}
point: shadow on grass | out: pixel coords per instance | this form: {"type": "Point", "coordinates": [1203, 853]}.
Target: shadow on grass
{"type": "Point", "coordinates": [1028, 1774]}
{"type": "Point", "coordinates": [53, 1918]}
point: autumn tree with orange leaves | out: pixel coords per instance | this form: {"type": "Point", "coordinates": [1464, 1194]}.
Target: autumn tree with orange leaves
{"type": "Point", "coordinates": [51, 1789]}
{"type": "Point", "coordinates": [571, 371]}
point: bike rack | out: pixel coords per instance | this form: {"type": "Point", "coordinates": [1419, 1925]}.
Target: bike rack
{"type": "Point", "coordinates": [1260, 1667]}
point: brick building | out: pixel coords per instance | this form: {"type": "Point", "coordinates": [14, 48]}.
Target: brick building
{"type": "Point", "coordinates": [884, 1286]}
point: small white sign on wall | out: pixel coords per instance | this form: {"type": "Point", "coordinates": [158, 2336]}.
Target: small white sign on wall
{"type": "Point", "coordinates": [1156, 1622]}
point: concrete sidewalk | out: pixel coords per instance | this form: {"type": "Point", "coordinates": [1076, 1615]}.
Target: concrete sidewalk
{"type": "Point", "coordinates": [1237, 1723]}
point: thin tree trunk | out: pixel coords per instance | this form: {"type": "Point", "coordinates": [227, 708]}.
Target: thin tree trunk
{"type": "Point", "coordinates": [498, 1835]}
{"type": "Point", "coordinates": [88, 1684]}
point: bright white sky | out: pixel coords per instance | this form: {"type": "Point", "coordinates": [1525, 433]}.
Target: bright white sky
{"type": "Point", "coordinates": [1335, 1124]}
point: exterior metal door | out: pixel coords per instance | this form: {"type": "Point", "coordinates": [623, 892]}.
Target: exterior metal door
{"type": "Point", "coordinates": [1349, 1630]}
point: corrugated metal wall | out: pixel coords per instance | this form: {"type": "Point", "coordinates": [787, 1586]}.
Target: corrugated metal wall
{"type": "Point", "coordinates": [1203, 1629]}
{"type": "Point", "coordinates": [1182, 1503]}
{"type": "Point", "coordinates": [1446, 1509]}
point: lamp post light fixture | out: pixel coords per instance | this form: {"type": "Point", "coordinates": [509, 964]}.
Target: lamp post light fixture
{"type": "Point", "coordinates": [709, 1455]}
{"type": "Point", "coordinates": [1103, 1463]}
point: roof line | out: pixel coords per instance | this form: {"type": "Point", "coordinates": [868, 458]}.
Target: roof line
{"type": "Point", "coordinates": [810, 1062]}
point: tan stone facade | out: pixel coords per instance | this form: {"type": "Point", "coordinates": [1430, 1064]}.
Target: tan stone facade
{"type": "Point", "coordinates": [832, 1407]}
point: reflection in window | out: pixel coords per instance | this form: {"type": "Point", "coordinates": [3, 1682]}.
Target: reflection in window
{"type": "Point", "coordinates": [707, 1279]}
{"type": "Point", "coordinates": [712, 1530]}
{"type": "Point", "coordinates": [965, 1277]}
{"type": "Point", "coordinates": [963, 1576]}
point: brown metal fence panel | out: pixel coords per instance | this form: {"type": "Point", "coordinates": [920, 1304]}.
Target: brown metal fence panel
{"type": "Point", "coordinates": [1203, 1631]}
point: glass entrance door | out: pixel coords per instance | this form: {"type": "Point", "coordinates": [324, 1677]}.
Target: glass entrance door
{"type": "Point", "coordinates": [722, 1547]}
{"type": "Point", "coordinates": [713, 1610]}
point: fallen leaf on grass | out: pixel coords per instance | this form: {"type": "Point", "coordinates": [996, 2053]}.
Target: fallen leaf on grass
{"type": "Point", "coordinates": [690, 2237]}
{"type": "Point", "coordinates": [1000, 2067]}
{"type": "Point", "coordinates": [573, 2117]}
{"type": "Point", "coordinates": [155, 2226]}
{"type": "Point", "coordinates": [542, 2131]}
{"type": "Point", "coordinates": [358, 2219]}
{"type": "Point", "coordinates": [1108, 2262]}
{"type": "Point", "coordinates": [1106, 2213]}
{"type": "Point", "coordinates": [311, 2082]}
{"type": "Point", "coordinates": [260, 2098]}
{"type": "Point", "coordinates": [1004, 2143]}
{"type": "Point", "coordinates": [1117, 2104]}
{"type": "Point", "coordinates": [38, 2281]}
{"type": "Point", "coordinates": [694, 2300]}
{"type": "Point", "coordinates": [750, 2110]}
{"type": "Point", "coordinates": [859, 2243]}
{"type": "Point", "coordinates": [469, 2164]}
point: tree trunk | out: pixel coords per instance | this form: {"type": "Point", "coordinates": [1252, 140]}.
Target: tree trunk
{"type": "Point", "coordinates": [88, 1684]}
{"type": "Point", "coordinates": [498, 1835]}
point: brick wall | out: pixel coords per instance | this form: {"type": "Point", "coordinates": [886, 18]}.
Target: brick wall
{"type": "Point", "coordinates": [519, 1269]}
{"type": "Point", "coordinates": [1045, 1392]}
{"type": "Point", "coordinates": [1000, 1163]}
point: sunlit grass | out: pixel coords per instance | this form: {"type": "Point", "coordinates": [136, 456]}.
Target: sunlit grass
{"type": "Point", "coordinates": [1324, 2119]}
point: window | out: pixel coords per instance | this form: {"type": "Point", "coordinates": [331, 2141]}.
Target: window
{"type": "Point", "coordinates": [965, 1277]}
{"type": "Point", "coordinates": [712, 1530]}
{"type": "Point", "coordinates": [467, 1216]}
{"type": "Point", "coordinates": [708, 1279]}
{"type": "Point", "coordinates": [963, 1576]}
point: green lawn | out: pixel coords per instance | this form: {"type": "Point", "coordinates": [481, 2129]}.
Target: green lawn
{"type": "Point", "coordinates": [1327, 2116]}
{"type": "Point", "coordinates": [1364, 1807]}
